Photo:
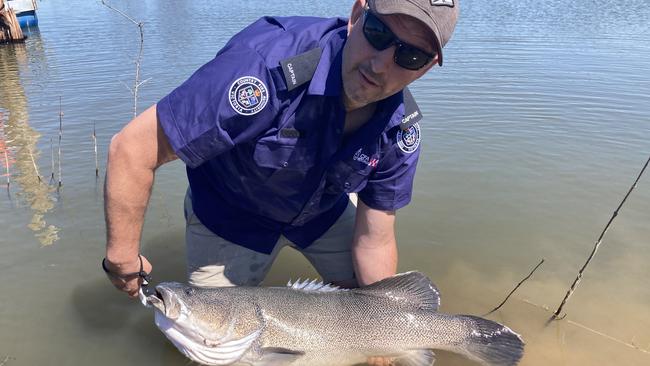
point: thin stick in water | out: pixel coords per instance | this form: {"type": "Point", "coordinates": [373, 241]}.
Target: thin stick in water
{"type": "Point", "coordinates": [556, 315]}
{"type": "Point", "coordinates": [138, 61]}
{"type": "Point", "coordinates": [7, 166]}
{"type": "Point", "coordinates": [516, 287]}
{"type": "Point", "coordinates": [35, 166]}
{"type": "Point", "coordinates": [52, 156]}
{"type": "Point", "coordinates": [95, 146]}
{"type": "Point", "coordinates": [60, 137]}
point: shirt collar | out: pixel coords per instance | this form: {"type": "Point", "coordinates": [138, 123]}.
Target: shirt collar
{"type": "Point", "coordinates": [327, 77]}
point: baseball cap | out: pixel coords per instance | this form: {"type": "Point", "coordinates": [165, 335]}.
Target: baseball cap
{"type": "Point", "coordinates": [438, 15]}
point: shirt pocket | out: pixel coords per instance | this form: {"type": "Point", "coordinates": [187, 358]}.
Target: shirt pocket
{"type": "Point", "coordinates": [283, 166]}
{"type": "Point", "coordinates": [276, 155]}
{"type": "Point", "coordinates": [345, 177]}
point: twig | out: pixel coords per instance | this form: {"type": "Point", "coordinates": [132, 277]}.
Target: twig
{"type": "Point", "coordinates": [4, 361]}
{"type": "Point", "coordinates": [515, 289]}
{"type": "Point", "coordinates": [52, 156]}
{"type": "Point", "coordinates": [138, 61]}
{"type": "Point", "coordinates": [95, 146]}
{"type": "Point", "coordinates": [60, 137]}
{"type": "Point", "coordinates": [556, 315]}
{"type": "Point", "coordinates": [35, 166]}
{"type": "Point", "coordinates": [7, 165]}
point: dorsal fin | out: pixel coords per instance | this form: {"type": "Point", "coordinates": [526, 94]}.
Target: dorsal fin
{"type": "Point", "coordinates": [411, 289]}
{"type": "Point", "coordinates": [313, 286]}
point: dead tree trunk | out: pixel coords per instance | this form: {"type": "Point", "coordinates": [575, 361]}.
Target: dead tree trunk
{"type": "Point", "coordinates": [9, 27]}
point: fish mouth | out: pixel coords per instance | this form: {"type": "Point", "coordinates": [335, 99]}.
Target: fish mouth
{"type": "Point", "coordinates": [162, 300]}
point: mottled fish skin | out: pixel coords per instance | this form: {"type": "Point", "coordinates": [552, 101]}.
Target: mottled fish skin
{"type": "Point", "coordinates": [308, 323]}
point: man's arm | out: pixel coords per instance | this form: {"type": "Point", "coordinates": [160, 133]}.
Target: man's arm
{"type": "Point", "coordinates": [134, 155]}
{"type": "Point", "coordinates": [374, 249]}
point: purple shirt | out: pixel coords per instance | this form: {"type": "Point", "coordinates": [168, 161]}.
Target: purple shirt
{"type": "Point", "coordinates": [260, 128]}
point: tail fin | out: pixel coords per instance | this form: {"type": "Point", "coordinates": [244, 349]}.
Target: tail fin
{"type": "Point", "coordinates": [493, 344]}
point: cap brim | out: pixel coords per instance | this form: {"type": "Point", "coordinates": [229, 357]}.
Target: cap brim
{"type": "Point", "coordinates": [388, 7]}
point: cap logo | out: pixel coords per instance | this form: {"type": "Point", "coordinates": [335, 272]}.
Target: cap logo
{"type": "Point", "coordinates": [449, 3]}
{"type": "Point", "coordinates": [248, 95]}
{"type": "Point", "coordinates": [408, 140]}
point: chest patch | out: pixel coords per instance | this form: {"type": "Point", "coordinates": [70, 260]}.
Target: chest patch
{"type": "Point", "coordinates": [408, 140]}
{"type": "Point", "coordinates": [248, 95]}
{"type": "Point", "coordinates": [365, 159]}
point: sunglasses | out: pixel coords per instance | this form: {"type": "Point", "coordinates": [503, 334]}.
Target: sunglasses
{"type": "Point", "coordinates": [381, 37]}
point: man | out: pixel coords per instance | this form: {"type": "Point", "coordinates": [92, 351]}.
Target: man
{"type": "Point", "coordinates": [291, 116]}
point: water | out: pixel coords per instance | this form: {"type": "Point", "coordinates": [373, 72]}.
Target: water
{"type": "Point", "coordinates": [535, 129]}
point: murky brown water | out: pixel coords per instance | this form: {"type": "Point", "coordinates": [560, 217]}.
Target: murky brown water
{"type": "Point", "coordinates": [534, 130]}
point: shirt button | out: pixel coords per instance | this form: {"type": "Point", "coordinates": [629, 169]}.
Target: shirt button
{"type": "Point", "coordinates": [285, 164]}
{"type": "Point", "coordinates": [347, 185]}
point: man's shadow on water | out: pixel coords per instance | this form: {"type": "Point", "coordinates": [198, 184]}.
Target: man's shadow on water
{"type": "Point", "coordinates": [103, 309]}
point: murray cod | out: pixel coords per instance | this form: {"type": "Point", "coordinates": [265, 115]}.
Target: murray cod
{"type": "Point", "coordinates": [309, 323]}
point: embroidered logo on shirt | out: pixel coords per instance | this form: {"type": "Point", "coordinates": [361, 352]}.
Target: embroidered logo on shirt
{"type": "Point", "coordinates": [363, 158]}
{"type": "Point", "coordinates": [449, 3]}
{"type": "Point", "coordinates": [248, 95]}
{"type": "Point", "coordinates": [408, 140]}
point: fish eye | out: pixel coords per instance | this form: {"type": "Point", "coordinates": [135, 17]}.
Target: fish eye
{"type": "Point", "coordinates": [189, 291]}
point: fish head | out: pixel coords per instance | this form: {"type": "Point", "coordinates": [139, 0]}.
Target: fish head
{"type": "Point", "coordinates": [203, 307]}
{"type": "Point", "coordinates": [200, 322]}
{"type": "Point", "coordinates": [169, 299]}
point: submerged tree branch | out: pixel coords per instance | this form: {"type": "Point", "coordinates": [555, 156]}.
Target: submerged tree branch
{"type": "Point", "coordinates": [556, 315]}
{"type": "Point", "coordinates": [515, 289]}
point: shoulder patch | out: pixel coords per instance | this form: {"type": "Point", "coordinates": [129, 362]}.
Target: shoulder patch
{"type": "Point", "coordinates": [408, 140]}
{"type": "Point", "coordinates": [449, 3]}
{"type": "Point", "coordinates": [299, 70]}
{"type": "Point", "coordinates": [248, 95]}
{"type": "Point", "coordinates": [412, 113]}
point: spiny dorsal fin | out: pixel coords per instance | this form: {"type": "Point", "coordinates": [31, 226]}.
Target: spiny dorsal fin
{"type": "Point", "coordinates": [411, 289]}
{"type": "Point", "coordinates": [313, 286]}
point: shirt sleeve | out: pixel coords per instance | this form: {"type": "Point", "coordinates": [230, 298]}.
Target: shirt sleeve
{"type": "Point", "coordinates": [229, 100]}
{"type": "Point", "coordinates": [390, 186]}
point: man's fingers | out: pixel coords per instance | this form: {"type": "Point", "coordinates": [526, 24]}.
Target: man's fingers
{"type": "Point", "coordinates": [126, 279]}
{"type": "Point", "coordinates": [131, 286]}
{"type": "Point", "coordinates": [380, 361]}
{"type": "Point", "coordinates": [146, 265]}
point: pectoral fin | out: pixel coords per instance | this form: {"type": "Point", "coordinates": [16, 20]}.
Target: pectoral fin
{"type": "Point", "coordinates": [225, 353]}
{"type": "Point", "coordinates": [277, 357]}
{"type": "Point", "coordinates": [423, 357]}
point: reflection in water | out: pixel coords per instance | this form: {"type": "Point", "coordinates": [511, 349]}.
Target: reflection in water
{"type": "Point", "coordinates": [19, 141]}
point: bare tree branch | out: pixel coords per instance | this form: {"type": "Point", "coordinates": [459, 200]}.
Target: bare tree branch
{"type": "Point", "coordinates": [556, 315]}
{"type": "Point", "coordinates": [515, 289]}
{"type": "Point", "coordinates": [138, 61]}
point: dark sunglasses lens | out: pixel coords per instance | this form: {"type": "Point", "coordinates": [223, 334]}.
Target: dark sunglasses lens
{"type": "Point", "coordinates": [410, 57]}
{"type": "Point", "coordinates": [377, 34]}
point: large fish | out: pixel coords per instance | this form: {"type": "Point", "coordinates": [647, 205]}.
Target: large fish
{"type": "Point", "coordinates": [309, 323]}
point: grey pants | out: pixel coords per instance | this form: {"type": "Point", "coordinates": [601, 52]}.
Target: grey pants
{"type": "Point", "coordinates": [215, 262]}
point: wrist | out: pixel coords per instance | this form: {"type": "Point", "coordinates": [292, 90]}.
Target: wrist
{"type": "Point", "coordinates": [121, 273]}
{"type": "Point", "coordinates": [122, 262]}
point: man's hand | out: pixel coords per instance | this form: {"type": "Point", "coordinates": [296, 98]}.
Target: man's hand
{"type": "Point", "coordinates": [124, 276]}
{"type": "Point", "coordinates": [380, 361]}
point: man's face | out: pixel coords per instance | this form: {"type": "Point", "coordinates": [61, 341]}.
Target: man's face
{"type": "Point", "coordinates": [370, 75]}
